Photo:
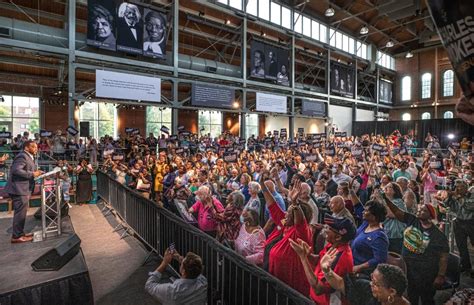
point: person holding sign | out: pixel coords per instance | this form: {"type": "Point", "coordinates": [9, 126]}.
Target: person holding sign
{"type": "Point", "coordinates": [21, 183]}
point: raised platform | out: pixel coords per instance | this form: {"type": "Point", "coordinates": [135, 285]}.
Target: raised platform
{"type": "Point", "coordinates": [19, 284]}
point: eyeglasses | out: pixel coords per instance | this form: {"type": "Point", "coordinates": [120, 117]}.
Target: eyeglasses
{"type": "Point", "coordinates": [373, 283]}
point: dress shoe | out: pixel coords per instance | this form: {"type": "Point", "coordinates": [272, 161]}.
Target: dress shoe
{"type": "Point", "coordinates": [22, 239]}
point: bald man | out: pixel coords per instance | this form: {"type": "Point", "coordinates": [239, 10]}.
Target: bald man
{"type": "Point", "coordinates": [338, 208]}
{"type": "Point", "coordinates": [304, 196]}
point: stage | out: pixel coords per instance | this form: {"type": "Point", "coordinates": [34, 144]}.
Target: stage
{"type": "Point", "coordinates": [19, 284]}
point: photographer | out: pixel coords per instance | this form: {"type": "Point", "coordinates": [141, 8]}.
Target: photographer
{"type": "Point", "coordinates": [461, 202]}
{"type": "Point", "coordinates": [191, 288]}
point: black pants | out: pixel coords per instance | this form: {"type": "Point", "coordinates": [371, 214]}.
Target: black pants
{"type": "Point", "coordinates": [426, 293]}
{"type": "Point", "coordinates": [420, 283]}
{"type": "Point", "coordinates": [462, 230]}
{"type": "Point", "coordinates": [395, 245]}
{"type": "Point", "coordinates": [20, 206]}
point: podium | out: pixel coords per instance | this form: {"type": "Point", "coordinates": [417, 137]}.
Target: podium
{"type": "Point", "coordinates": [50, 203]}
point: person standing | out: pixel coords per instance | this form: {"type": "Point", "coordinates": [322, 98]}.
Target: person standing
{"type": "Point", "coordinates": [21, 183]}
{"type": "Point", "coordinates": [84, 182]}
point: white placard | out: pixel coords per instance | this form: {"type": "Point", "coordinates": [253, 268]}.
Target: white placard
{"type": "Point", "coordinates": [127, 86]}
{"type": "Point", "coordinates": [271, 103]}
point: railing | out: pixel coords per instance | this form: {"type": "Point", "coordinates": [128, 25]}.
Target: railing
{"type": "Point", "coordinates": [231, 280]}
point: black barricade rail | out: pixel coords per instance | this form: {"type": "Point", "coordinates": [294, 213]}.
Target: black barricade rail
{"type": "Point", "coordinates": [232, 280]}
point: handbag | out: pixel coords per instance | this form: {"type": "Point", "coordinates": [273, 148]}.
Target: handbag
{"type": "Point", "coordinates": [143, 186]}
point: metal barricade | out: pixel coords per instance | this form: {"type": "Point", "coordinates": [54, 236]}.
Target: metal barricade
{"type": "Point", "coordinates": [231, 279]}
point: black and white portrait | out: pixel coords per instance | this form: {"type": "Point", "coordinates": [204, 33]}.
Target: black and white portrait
{"type": "Point", "coordinates": [154, 35]}
{"type": "Point", "coordinates": [271, 64]}
{"type": "Point", "coordinates": [258, 64]}
{"type": "Point", "coordinates": [282, 76]}
{"type": "Point", "coordinates": [101, 27]}
{"type": "Point", "coordinates": [129, 28]}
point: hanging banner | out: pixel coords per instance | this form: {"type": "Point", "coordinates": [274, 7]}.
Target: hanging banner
{"type": "Point", "coordinates": [271, 102]}
{"type": "Point", "coordinates": [126, 86]}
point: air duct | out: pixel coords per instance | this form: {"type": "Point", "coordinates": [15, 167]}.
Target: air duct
{"type": "Point", "coordinates": [29, 32]}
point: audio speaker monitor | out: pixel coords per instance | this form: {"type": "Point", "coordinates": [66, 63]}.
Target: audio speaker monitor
{"type": "Point", "coordinates": [84, 129]}
{"type": "Point", "coordinates": [57, 257]}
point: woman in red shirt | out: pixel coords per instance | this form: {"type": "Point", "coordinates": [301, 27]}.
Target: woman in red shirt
{"type": "Point", "coordinates": [283, 263]}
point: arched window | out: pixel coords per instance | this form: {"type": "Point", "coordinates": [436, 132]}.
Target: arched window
{"type": "Point", "coordinates": [448, 115]}
{"type": "Point", "coordinates": [426, 116]}
{"type": "Point", "coordinates": [406, 116]}
{"type": "Point", "coordinates": [448, 83]}
{"type": "Point", "coordinates": [426, 85]}
{"type": "Point", "coordinates": [406, 88]}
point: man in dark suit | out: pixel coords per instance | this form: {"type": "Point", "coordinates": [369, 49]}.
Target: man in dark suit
{"type": "Point", "coordinates": [21, 183]}
{"type": "Point", "coordinates": [129, 26]}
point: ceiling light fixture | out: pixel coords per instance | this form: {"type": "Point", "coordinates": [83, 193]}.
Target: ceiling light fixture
{"type": "Point", "coordinates": [227, 22]}
{"type": "Point", "coordinates": [389, 44]}
{"type": "Point", "coordinates": [409, 55]}
{"type": "Point", "coordinates": [262, 33]}
{"type": "Point", "coordinates": [329, 12]}
{"type": "Point", "coordinates": [364, 30]}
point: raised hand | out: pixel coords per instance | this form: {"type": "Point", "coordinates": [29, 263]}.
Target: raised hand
{"type": "Point", "coordinates": [300, 247]}
{"type": "Point", "coordinates": [327, 260]}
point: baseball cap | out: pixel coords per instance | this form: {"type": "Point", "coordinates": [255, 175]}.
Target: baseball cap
{"type": "Point", "coordinates": [343, 226]}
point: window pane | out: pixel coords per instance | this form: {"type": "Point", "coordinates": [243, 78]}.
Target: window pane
{"type": "Point", "coordinates": [106, 128]}
{"type": "Point", "coordinates": [364, 51]}
{"type": "Point", "coordinates": [153, 114]}
{"type": "Point", "coordinates": [204, 118]}
{"type": "Point", "coordinates": [264, 9]}
{"type": "Point", "coordinates": [216, 130]}
{"type": "Point", "coordinates": [275, 13]}
{"type": "Point", "coordinates": [307, 26]}
{"type": "Point", "coordinates": [252, 7]}
{"type": "Point", "coordinates": [25, 107]}
{"type": "Point", "coordinates": [351, 45]}
{"type": "Point", "coordinates": [406, 88]}
{"type": "Point", "coordinates": [338, 40]}
{"type": "Point", "coordinates": [448, 115]}
{"type": "Point", "coordinates": [323, 31]}
{"type": "Point", "coordinates": [298, 22]}
{"type": "Point", "coordinates": [153, 128]}
{"type": "Point", "coordinates": [6, 107]}
{"type": "Point", "coordinates": [345, 43]}
{"type": "Point", "coordinates": [314, 30]}
{"type": "Point", "coordinates": [286, 17]}
{"type": "Point", "coordinates": [448, 83]}
{"type": "Point", "coordinates": [426, 116]}
{"type": "Point", "coordinates": [167, 115]}
{"type": "Point", "coordinates": [106, 112]}
{"type": "Point", "coordinates": [222, 1]}
{"type": "Point", "coordinates": [406, 117]}
{"type": "Point", "coordinates": [216, 118]}
{"type": "Point", "coordinates": [236, 4]}
{"type": "Point", "coordinates": [21, 125]}
{"type": "Point", "coordinates": [426, 85]}
{"type": "Point", "coordinates": [332, 38]}
{"type": "Point", "coordinates": [88, 112]}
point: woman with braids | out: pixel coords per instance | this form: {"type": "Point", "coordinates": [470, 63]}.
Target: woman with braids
{"type": "Point", "coordinates": [425, 251]}
{"type": "Point", "coordinates": [386, 286]}
{"type": "Point", "coordinates": [294, 224]}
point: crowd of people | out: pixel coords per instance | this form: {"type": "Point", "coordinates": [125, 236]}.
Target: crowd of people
{"type": "Point", "coordinates": [339, 210]}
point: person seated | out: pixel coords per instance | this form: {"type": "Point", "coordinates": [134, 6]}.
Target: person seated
{"type": "Point", "coordinates": [370, 246]}
{"type": "Point", "coordinates": [250, 243]}
{"type": "Point", "coordinates": [190, 289]}
{"type": "Point", "coordinates": [339, 232]}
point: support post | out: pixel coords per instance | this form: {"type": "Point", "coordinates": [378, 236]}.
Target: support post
{"type": "Point", "coordinates": [71, 60]}
{"type": "Point", "coordinates": [175, 37]}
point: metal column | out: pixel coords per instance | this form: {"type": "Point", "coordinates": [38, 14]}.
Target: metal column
{"type": "Point", "coordinates": [174, 110]}
{"type": "Point", "coordinates": [291, 122]}
{"type": "Point", "coordinates": [243, 115]}
{"type": "Point", "coordinates": [71, 60]}
{"type": "Point", "coordinates": [175, 37]}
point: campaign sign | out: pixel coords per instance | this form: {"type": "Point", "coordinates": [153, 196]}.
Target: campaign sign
{"type": "Point", "coordinates": [180, 128]}
{"type": "Point", "coordinates": [330, 150]}
{"type": "Point", "coordinates": [275, 133]}
{"type": "Point", "coordinates": [45, 134]}
{"type": "Point", "coordinates": [300, 130]}
{"type": "Point", "coordinates": [378, 147]}
{"type": "Point", "coordinates": [5, 135]}
{"type": "Point", "coordinates": [117, 157]}
{"type": "Point", "coordinates": [230, 157]}
{"type": "Point", "coordinates": [135, 131]}
{"type": "Point", "coordinates": [179, 151]}
{"type": "Point", "coordinates": [165, 129]}
{"type": "Point", "coordinates": [311, 158]}
{"type": "Point", "coordinates": [340, 145]}
{"type": "Point", "coordinates": [173, 137]}
{"type": "Point", "coordinates": [72, 131]}
{"type": "Point", "coordinates": [340, 134]}
{"type": "Point", "coordinates": [185, 133]}
{"type": "Point", "coordinates": [293, 145]}
{"type": "Point", "coordinates": [356, 151]}
{"type": "Point", "coordinates": [129, 129]}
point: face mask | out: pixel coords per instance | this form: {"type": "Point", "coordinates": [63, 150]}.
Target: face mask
{"type": "Point", "coordinates": [334, 170]}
